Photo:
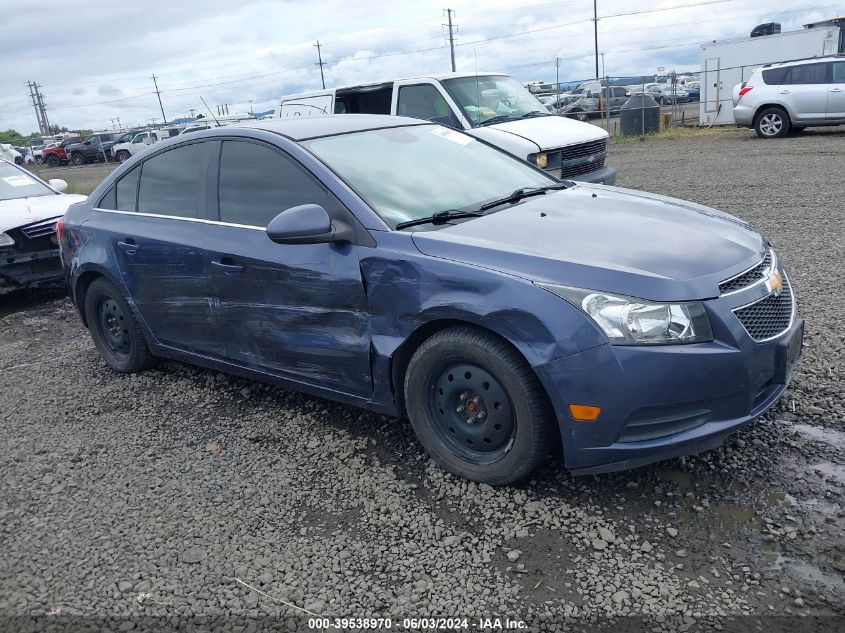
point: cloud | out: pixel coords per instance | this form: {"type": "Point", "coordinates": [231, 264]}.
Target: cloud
{"type": "Point", "coordinates": [262, 49]}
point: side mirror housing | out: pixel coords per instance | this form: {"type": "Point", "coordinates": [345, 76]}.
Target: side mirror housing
{"type": "Point", "coordinates": [307, 224]}
{"type": "Point", "coordinates": [58, 184]}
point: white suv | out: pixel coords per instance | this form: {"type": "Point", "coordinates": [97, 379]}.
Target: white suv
{"type": "Point", "coordinates": [792, 95]}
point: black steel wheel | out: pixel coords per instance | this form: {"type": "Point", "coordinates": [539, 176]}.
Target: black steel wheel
{"type": "Point", "coordinates": [52, 160]}
{"type": "Point", "coordinates": [477, 407]}
{"type": "Point", "coordinates": [116, 332]}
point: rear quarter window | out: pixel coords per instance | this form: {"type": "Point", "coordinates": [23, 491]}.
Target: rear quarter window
{"type": "Point", "coordinates": [774, 76]}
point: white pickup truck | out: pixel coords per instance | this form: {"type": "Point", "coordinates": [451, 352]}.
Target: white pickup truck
{"type": "Point", "coordinates": [490, 106]}
{"type": "Point", "coordinates": [140, 142]}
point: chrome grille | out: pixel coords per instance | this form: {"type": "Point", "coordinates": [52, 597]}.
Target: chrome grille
{"type": "Point", "coordinates": [770, 317]}
{"type": "Point", "coordinates": [749, 277]}
{"type": "Point", "coordinates": [583, 158]}
{"type": "Point", "coordinates": [40, 229]}
{"type": "Point", "coordinates": [583, 150]}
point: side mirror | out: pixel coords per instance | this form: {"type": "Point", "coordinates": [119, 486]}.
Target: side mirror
{"type": "Point", "coordinates": [58, 184]}
{"type": "Point", "coordinates": [86, 142]}
{"type": "Point", "coordinates": [307, 224]}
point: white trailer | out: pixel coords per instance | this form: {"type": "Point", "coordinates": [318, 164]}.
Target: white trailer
{"type": "Point", "coordinates": [728, 63]}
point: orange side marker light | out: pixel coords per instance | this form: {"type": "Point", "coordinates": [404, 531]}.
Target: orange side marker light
{"type": "Point", "coordinates": [584, 413]}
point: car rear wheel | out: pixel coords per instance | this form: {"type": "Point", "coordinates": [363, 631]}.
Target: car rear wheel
{"type": "Point", "coordinates": [477, 407]}
{"type": "Point", "coordinates": [579, 115]}
{"type": "Point", "coordinates": [52, 161]}
{"type": "Point", "coordinates": [772, 123]}
{"type": "Point", "coordinates": [114, 328]}
{"type": "Point", "coordinates": [123, 155]}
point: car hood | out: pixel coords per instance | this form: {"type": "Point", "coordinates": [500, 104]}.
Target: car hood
{"type": "Point", "coordinates": [14, 213]}
{"type": "Point", "coordinates": [549, 132]}
{"type": "Point", "coordinates": [606, 238]}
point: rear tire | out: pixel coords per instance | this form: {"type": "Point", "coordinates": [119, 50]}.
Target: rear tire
{"type": "Point", "coordinates": [772, 123]}
{"type": "Point", "coordinates": [477, 407]}
{"type": "Point", "coordinates": [116, 332]}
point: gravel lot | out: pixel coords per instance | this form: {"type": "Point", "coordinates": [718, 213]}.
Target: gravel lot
{"type": "Point", "coordinates": [153, 496]}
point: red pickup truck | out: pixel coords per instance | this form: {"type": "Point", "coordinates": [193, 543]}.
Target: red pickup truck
{"type": "Point", "coordinates": [55, 156]}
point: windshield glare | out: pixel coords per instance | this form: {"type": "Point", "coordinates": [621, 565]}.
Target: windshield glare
{"type": "Point", "coordinates": [413, 172]}
{"type": "Point", "coordinates": [15, 184]}
{"type": "Point", "coordinates": [484, 97]}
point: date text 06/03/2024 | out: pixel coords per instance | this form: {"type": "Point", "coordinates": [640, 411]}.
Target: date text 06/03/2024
{"type": "Point", "coordinates": [435, 623]}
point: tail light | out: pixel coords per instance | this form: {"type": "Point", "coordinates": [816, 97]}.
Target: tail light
{"type": "Point", "coordinates": [60, 229]}
{"type": "Point", "coordinates": [745, 90]}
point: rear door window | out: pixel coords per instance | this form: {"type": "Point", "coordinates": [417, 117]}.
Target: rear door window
{"type": "Point", "coordinates": [808, 74]}
{"type": "Point", "coordinates": [838, 73]}
{"type": "Point", "coordinates": [257, 183]}
{"type": "Point", "coordinates": [170, 181]}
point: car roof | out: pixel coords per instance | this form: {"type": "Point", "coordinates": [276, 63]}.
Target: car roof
{"type": "Point", "coordinates": [805, 60]}
{"type": "Point", "coordinates": [301, 128]}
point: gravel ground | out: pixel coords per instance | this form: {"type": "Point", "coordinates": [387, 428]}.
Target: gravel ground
{"type": "Point", "coordinates": [147, 501]}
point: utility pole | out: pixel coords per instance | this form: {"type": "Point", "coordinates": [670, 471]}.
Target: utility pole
{"type": "Point", "coordinates": [596, 33]}
{"type": "Point", "coordinates": [452, 29]}
{"type": "Point", "coordinates": [320, 63]}
{"type": "Point", "coordinates": [40, 109]}
{"type": "Point", "coordinates": [557, 82]}
{"type": "Point", "coordinates": [158, 94]}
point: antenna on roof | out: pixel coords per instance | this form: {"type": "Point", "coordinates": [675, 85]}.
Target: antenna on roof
{"type": "Point", "coordinates": [210, 112]}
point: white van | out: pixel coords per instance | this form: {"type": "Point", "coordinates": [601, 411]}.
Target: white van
{"type": "Point", "coordinates": [490, 106]}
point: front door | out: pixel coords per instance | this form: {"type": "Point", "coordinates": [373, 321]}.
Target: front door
{"type": "Point", "coordinates": [804, 91]}
{"type": "Point", "coordinates": [157, 239]}
{"type": "Point", "coordinates": [294, 310]}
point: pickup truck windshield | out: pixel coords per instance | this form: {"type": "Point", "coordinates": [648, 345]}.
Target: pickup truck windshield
{"type": "Point", "coordinates": [15, 184]}
{"type": "Point", "coordinates": [408, 173]}
{"type": "Point", "coordinates": [487, 97]}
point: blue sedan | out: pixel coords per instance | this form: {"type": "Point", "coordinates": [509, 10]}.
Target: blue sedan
{"type": "Point", "coordinates": [412, 270]}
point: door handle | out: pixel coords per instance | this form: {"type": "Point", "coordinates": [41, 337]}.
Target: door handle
{"type": "Point", "coordinates": [784, 92]}
{"type": "Point", "coordinates": [836, 90]}
{"type": "Point", "coordinates": [129, 246]}
{"type": "Point", "coordinates": [227, 267]}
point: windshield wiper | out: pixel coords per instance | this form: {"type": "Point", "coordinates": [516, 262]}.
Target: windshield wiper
{"type": "Point", "coordinates": [441, 217]}
{"type": "Point", "coordinates": [496, 119]}
{"type": "Point", "coordinates": [524, 192]}
{"type": "Point", "coordinates": [533, 113]}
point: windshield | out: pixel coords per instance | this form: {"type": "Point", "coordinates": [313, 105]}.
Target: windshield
{"type": "Point", "coordinates": [485, 97]}
{"type": "Point", "coordinates": [407, 173]}
{"type": "Point", "coordinates": [15, 183]}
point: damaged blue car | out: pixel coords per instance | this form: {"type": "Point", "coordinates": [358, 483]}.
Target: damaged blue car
{"type": "Point", "coordinates": [412, 270]}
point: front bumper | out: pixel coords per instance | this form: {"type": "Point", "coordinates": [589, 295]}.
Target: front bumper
{"type": "Point", "coordinates": [603, 176]}
{"type": "Point", "coordinates": [23, 270]}
{"type": "Point", "coordinates": [667, 401]}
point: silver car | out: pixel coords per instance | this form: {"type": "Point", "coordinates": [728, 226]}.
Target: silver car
{"type": "Point", "coordinates": [792, 95]}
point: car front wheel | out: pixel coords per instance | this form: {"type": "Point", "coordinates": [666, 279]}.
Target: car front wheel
{"type": "Point", "coordinates": [78, 159]}
{"type": "Point", "coordinates": [52, 161]}
{"type": "Point", "coordinates": [114, 328]}
{"type": "Point", "coordinates": [477, 407]}
{"type": "Point", "coordinates": [772, 123]}
{"type": "Point", "coordinates": [123, 155]}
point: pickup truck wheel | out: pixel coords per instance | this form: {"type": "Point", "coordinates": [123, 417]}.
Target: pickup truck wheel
{"type": "Point", "coordinates": [772, 123]}
{"type": "Point", "coordinates": [580, 115]}
{"type": "Point", "coordinates": [114, 328]}
{"type": "Point", "coordinates": [477, 407]}
{"type": "Point", "coordinates": [52, 160]}
{"type": "Point", "coordinates": [78, 159]}
{"type": "Point", "coordinates": [123, 155]}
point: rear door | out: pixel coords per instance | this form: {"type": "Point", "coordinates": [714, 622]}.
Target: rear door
{"type": "Point", "coordinates": [836, 92]}
{"type": "Point", "coordinates": [293, 310]}
{"type": "Point", "coordinates": [804, 92]}
{"type": "Point", "coordinates": [156, 234]}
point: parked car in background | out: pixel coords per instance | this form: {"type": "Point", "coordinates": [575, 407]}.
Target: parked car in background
{"type": "Point", "coordinates": [411, 269]}
{"type": "Point", "coordinates": [693, 90]}
{"type": "Point", "coordinates": [29, 210]}
{"type": "Point", "coordinates": [9, 153]}
{"type": "Point", "coordinates": [137, 143]}
{"type": "Point", "coordinates": [55, 156]}
{"type": "Point", "coordinates": [493, 107]}
{"type": "Point", "coordinates": [94, 149]}
{"type": "Point", "coordinates": [38, 151]}
{"type": "Point", "coordinates": [666, 94]}
{"type": "Point", "coordinates": [792, 95]}
{"type": "Point", "coordinates": [590, 103]}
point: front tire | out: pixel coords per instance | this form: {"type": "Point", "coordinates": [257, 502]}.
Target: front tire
{"type": "Point", "coordinates": [77, 159]}
{"type": "Point", "coordinates": [123, 155]}
{"type": "Point", "coordinates": [772, 123]}
{"type": "Point", "coordinates": [477, 407]}
{"type": "Point", "coordinates": [116, 332]}
{"type": "Point", "coordinates": [53, 161]}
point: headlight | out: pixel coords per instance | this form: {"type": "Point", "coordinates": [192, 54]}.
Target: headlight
{"type": "Point", "coordinates": [5, 240]}
{"type": "Point", "coordinates": [541, 160]}
{"type": "Point", "coordinates": [631, 321]}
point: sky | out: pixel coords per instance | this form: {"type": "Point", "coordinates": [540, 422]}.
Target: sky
{"type": "Point", "coordinates": [95, 58]}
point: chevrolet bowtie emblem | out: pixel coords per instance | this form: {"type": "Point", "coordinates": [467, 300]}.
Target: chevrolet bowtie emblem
{"type": "Point", "coordinates": [774, 284]}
